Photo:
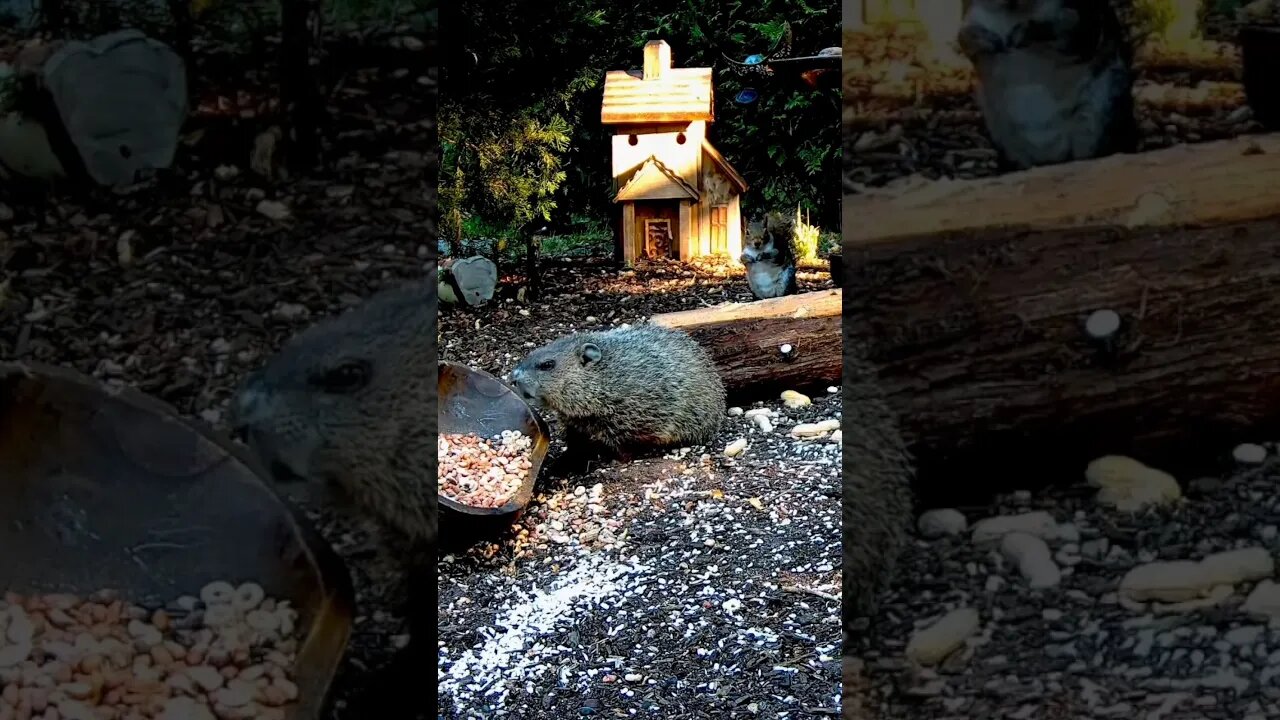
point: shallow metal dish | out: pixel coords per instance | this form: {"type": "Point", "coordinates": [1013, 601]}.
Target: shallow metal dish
{"type": "Point", "coordinates": [104, 488]}
{"type": "Point", "coordinates": [473, 401]}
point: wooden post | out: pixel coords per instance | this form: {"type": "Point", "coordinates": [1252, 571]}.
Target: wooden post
{"type": "Point", "coordinates": [657, 58]}
{"type": "Point", "coordinates": [687, 250]}
{"type": "Point", "coordinates": [628, 234]}
{"type": "Point", "coordinates": [981, 321]}
{"type": "Point", "coordinates": [735, 228]}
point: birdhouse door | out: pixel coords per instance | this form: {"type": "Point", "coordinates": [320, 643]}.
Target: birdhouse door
{"type": "Point", "coordinates": [658, 239]}
{"type": "Point", "coordinates": [720, 230]}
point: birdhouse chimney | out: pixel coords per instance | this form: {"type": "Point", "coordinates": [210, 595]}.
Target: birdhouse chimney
{"type": "Point", "coordinates": [657, 58]}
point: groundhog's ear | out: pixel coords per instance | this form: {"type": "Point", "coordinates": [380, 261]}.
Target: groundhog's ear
{"type": "Point", "coordinates": [590, 353]}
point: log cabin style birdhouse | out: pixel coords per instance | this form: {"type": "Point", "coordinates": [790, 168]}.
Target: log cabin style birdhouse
{"type": "Point", "coordinates": [678, 196]}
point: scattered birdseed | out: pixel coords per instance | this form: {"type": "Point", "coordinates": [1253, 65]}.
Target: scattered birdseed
{"type": "Point", "coordinates": [226, 657]}
{"type": "Point", "coordinates": [740, 575]}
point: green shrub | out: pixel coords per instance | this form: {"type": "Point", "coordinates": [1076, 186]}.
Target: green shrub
{"type": "Point", "coordinates": [828, 243]}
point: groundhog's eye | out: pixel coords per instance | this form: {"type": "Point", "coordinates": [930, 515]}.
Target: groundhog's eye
{"type": "Point", "coordinates": [346, 377]}
{"type": "Point", "coordinates": [546, 365]}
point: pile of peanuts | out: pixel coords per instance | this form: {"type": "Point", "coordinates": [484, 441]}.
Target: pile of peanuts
{"type": "Point", "coordinates": [226, 655]}
{"type": "Point", "coordinates": [484, 473]}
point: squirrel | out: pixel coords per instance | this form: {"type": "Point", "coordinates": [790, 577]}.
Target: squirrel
{"type": "Point", "coordinates": [769, 254]}
{"type": "Point", "coordinates": [351, 402]}
{"type": "Point", "coordinates": [626, 389]}
{"type": "Point", "coordinates": [1055, 79]}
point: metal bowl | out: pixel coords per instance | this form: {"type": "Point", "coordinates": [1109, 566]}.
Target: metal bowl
{"type": "Point", "coordinates": [473, 401]}
{"type": "Point", "coordinates": [1260, 56]}
{"type": "Point", "coordinates": [104, 488]}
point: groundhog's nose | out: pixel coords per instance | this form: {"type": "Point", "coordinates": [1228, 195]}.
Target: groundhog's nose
{"type": "Point", "coordinates": [248, 408]}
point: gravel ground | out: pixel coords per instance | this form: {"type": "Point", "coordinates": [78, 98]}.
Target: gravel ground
{"type": "Point", "coordinates": [183, 287]}
{"type": "Point", "coordinates": [1078, 648]}
{"type": "Point", "coordinates": [684, 585]}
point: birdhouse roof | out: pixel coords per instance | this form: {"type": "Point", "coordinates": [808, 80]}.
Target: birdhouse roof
{"type": "Point", "coordinates": [723, 165]}
{"type": "Point", "coordinates": [655, 181]}
{"type": "Point", "coordinates": [658, 93]}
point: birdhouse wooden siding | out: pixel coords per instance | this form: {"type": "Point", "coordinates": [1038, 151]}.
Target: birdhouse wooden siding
{"type": "Point", "coordinates": [679, 197]}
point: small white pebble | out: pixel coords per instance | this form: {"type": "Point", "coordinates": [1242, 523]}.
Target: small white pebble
{"type": "Point", "coordinates": [795, 400]}
{"type": "Point", "coordinates": [1249, 454]}
{"type": "Point", "coordinates": [762, 422]}
{"type": "Point", "coordinates": [941, 522]}
{"type": "Point", "coordinates": [735, 411]}
{"type": "Point", "coordinates": [736, 447]}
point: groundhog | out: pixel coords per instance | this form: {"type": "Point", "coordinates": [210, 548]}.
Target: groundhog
{"type": "Point", "coordinates": [769, 254]}
{"type": "Point", "coordinates": [1055, 79]}
{"type": "Point", "coordinates": [877, 479]}
{"type": "Point", "coordinates": [351, 403]}
{"type": "Point", "coordinates": [625, 390]}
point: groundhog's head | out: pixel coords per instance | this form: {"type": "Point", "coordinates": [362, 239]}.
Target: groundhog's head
{"type": "Point", "coordinates": [546, 373]}
{"type": "Point", "coordinates": [349, 397]}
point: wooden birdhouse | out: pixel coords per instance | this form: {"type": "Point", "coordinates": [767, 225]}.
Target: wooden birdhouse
{"type": "Point", "coordinates": [678, 195]}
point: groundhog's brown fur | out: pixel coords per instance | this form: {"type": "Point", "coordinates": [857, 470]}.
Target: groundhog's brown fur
{"type": "Point", "coordinates": [626, 389]}
{"type": "Point", "coordinates": [877, 487]}
{"type": "Point", "coordinates": [352, 402]}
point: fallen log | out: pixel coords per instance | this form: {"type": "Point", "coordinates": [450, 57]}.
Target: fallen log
{"type": "Point", "coordinates": [973, 298]}
{"type": "Point", "coordinates": [770, 345]}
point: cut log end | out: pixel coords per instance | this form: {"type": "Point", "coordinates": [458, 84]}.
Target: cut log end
{"type": "Point", "coordinates": [1102, 325]}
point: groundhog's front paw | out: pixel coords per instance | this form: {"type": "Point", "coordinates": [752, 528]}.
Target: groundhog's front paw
{"type": "Point", "coordinates": [975, 41]}
{"type": "Point", "coordinates": [745, 259]}
{"type": "Point", "coordinates": [575, 460]}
